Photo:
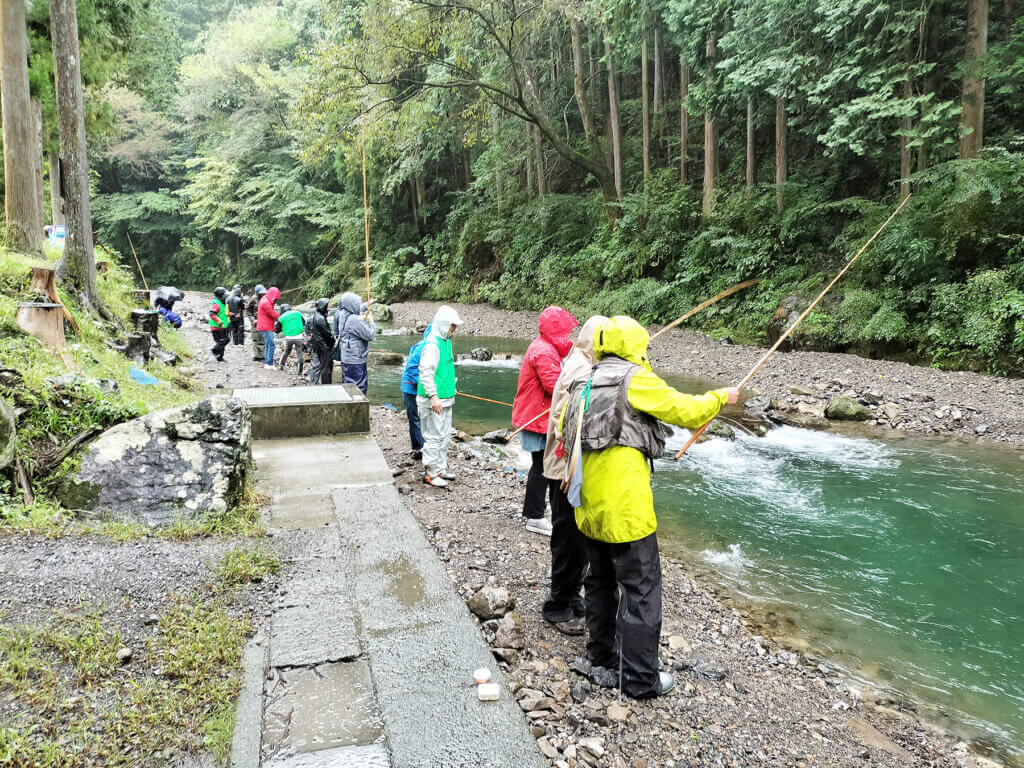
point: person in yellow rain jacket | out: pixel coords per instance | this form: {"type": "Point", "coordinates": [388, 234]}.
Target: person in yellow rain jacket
{"type": "Point", "coordinates": [623, 403]}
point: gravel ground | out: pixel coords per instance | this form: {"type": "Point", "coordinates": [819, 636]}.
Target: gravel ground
{"type": "Point", "coordinates": [899, 396]}
{"type": "Point", "coordinates": [741, 700]}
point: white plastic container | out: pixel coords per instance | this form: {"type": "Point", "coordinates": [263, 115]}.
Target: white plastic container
{"type": "Point", "coordinates": [487, 692]}
{"type": "Point", "coordinates": [481, 675]}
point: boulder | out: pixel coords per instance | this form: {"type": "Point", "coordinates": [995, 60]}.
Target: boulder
{"type": "Point", "coordinates": [491, 603]}
{"type": "Point", "coordinates": [787, 313]}
{"type": "Point", "coordinates": [179, 463]}
{"type": "Point", "coordinates": [497, 437]}
{"type": "Point", "coordinates": [388, 358]}
{"type": "Point", "coordinates": [381, 313]}
{"type": "Point", "coordinates": [509, 633]}
{"type": "Point", "coordinates": [801, 391]}
{"type": "Point", "coordinates": [719, 428]}
{"type": "Point", "coordinates": [7, 434]}
{"type": "Point", "coordinates": [891, 411]}
{"type": "Point", "coordinates": [481, 353]}
{"type": "Point", "coordinates": [845, 408]}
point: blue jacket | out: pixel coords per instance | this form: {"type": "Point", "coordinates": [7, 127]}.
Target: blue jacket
{"type": "Point", "coordinates": [411, 374]}
{"type": "Point", "coordinates": [353, 333]}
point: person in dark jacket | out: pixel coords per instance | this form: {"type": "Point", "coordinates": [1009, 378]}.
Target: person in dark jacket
{"type": "Point", "coordinates": [252, 309]}
{"type": "Point", "coordinates": [321, 345]}
{"type": "Point", "coordinates": [355, 329]}
{"type": "Point", "coordinates": [236, 313]}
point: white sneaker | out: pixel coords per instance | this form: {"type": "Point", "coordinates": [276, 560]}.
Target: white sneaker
{"type": "Point", "coordinates": [447, 475]}
{"type": "Point", "coordinates": [437, 481]}
{"type": "Point", "coordinates": [269, 367]}
{"type": "Point", "coordinates": [539, 525]}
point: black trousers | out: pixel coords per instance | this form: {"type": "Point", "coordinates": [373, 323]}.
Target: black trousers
{"type": "Point", "coordinates": [237, 329]}
{"type": "Point", "coordinates": [568, 559]}
{"type": "Point", "coordinates": [632, 624]}
{"type": "Point", "coordinates": [220, 341]}
{"type": "Point", "coordinates": [535, 501]}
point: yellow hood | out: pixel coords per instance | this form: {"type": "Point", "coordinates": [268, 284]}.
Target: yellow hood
{"type": "Point", "coordinates": [623, 337]}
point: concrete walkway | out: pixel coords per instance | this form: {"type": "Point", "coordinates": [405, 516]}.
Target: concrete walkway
{"type": "Point", "coordinates": [369, 657]}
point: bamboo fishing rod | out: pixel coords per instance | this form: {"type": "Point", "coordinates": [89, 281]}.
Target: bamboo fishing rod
{"type": "Point", "coordinates": [484, 399]}
{"type": "Point", "coordinates": [799, 320]}
{"type": "Point", "coordinates": [366, 214]}
{"type": "Point", "coordinates": [673, 324]}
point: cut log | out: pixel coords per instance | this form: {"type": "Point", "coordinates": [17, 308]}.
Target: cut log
{"type": "Point", "coordinates": [135, 347]}
{"type": "Point", "coordinates": [102, 267]}
{"type": "Point", "coordinates": [43, 283]}
{"type": "Point", "coordinates": [142, 299]}
{"type": "Point", "coordinates": [146, 321]}
{"type": "Point", "coordinates": [45, 321]}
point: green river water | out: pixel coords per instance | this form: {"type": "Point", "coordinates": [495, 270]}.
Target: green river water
{"type": "Point", "coordinates": [901, 559]}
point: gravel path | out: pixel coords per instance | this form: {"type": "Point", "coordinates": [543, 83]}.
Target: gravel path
{"type": "Point", "coordinates": [741, 700]}
{"type": "Point", "coordinates": [918, 399]}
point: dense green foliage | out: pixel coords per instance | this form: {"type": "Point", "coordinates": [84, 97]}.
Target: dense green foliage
{"type": "Point", "coordinates": [233, 152]}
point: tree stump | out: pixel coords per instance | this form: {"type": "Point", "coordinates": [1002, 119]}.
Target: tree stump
{"type": "Point", "coordinates": [142, 299]}
{"type": "Point", "coordinates": [146, 321]}
{"type": "Point", "coordinates": [135, 347]}
{"type": "Point", "coordinates": [102, 267]}
{"type": "Point", "coordinates": [43, 320]}
{"type": "Point", "coordinates": [43, 283]}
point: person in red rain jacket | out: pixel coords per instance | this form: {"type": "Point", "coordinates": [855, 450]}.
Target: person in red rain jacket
{"type": "Point", "coordinates": [537, 377]}
{"type": "Point", "coordinates": [266, 316]}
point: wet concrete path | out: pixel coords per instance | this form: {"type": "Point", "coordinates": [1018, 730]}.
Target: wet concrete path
{"type": "Point", "coordinates": [369, 656]}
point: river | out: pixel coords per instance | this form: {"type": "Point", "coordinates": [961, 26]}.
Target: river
{"type": "Point", "coordinates": [899, 558]}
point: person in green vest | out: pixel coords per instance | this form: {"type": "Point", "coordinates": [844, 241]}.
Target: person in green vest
{"type": "Point", "coordinates": [435, 396]}
{"type": "Point", "coordinates": [219, 322]}
{"type": "Point", "coordinates": [292, 325]}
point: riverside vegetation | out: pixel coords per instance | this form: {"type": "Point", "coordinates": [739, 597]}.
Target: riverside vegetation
{"type": "Point", "coordinates": [523, 156]}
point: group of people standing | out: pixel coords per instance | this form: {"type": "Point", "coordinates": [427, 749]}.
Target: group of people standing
{"type": "Point", "coordinates": [592, 416]}
{"type": "Point", "coordinates": [346, 340]}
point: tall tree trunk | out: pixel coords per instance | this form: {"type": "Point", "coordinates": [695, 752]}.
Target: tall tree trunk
{"type": "Point", "coordinates": [538, 159]}
{"type": "Point", "coordinates": [412, 202]}
{"type": "Point", "coordinates": [613, 116]}
{"type": "Point", "coordinates": [644, 97]}
{"type": "Point", "coordinates": [37, 156]}
{"type": "Point", "coordinates": [973, 118]}
{"type": "Point", "coordinates": [658, 81]}
{"type": "Point", "coordinates": [499, 168]}
{"type": "Point", "coordinates": [529, 172]}
{"type": "Point", "coordinates": [77, 269]}
{"type": "Point", "coordinates": [23, 206]}
{"type": "Point", "coordinates": [56, 202]}
{"type": "Point", "coordinates": [467, 167]}
{"type": "Point", "coordinates": [780, 152]}
{"type": "Point", "coordinates": [750, 143]}
{"type": "Point", "coordinates": [684, 91]}
{"type": "Point", "coordinates": [905, 147]}
{"type": "Point", "coordinates": [581, 95]}
{"type": "Point", "coordinates": [710, 134]}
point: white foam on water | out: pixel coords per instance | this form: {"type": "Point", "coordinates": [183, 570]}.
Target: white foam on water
{"type": "Point", "coordinates": [828, 447]}
{"type": "Point", "coordinates": [733, 558]}
{"type": "Point", "coordinates": [494, 362]}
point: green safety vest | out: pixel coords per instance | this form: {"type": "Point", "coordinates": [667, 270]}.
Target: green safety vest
{"type": "Point", "coordinates": [292, 323]}
{"type": "Point", "coordinates": [221, 320]}
{"type": "Point", "coordinates": [444, 376]}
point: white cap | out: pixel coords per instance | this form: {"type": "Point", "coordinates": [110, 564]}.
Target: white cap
{"type": "Point", "coordinates": [446, 316]}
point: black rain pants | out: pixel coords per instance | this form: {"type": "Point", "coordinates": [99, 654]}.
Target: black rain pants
{"type": "Point", "coordinates": [568, 559]}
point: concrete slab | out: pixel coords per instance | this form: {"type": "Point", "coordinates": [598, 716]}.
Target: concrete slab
{"type": "Point", "coordinates": [301, 411]}
{"type": "Point", "coordinates": [423, 645]}
{"type": "Point", "coordinates": [302, 467]}
{"type": "Point", "coordinates": [312, 510]}
{"type": "Point", "coordinates": [325, 629]}
{"type": "Point", "coordinates": [372, 756]}
{"type": "Point", "coordinates": [245, 744]}
{"type": "Point", "coordinates": [330, 705]}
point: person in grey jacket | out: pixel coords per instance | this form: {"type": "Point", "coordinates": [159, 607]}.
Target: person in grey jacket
{"type": "Point", "coordinates": [354, 329]}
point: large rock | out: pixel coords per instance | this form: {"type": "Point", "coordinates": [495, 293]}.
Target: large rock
{"type": "Point", "coordinates": [177, 463]}
{"type": "Point", "coordinates": [7, 434]}
{"type": "Point", "coordinates": [491, 603]}
{"type": "Point", "coordinates": [787, 313]}
{"type": "Point", "coordinates": [845, 408]}
{"type": "Point", "coordinates": [381, 313]}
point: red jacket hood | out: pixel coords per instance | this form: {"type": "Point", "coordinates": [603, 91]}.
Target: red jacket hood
{"type": "Point", "coordinates": [555, 326]}
{"type": "Point", "coordinates": [273, 294]}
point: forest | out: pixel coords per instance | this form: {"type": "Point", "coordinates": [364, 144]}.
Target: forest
{"type": "Point", "coordinates": [622, 156]}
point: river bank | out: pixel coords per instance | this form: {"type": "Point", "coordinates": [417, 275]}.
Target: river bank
{"type": "Point", "coordinates": [741, 699]}
{"type": "Point", "coordinates": [798, 385]}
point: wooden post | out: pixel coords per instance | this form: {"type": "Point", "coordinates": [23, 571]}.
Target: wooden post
{"type": "Point", "coordinates": [135, 347]}
{"type": "Point", "coordinates": [43, 283]}
{"type": "Point", "coordinates": [45, 321]}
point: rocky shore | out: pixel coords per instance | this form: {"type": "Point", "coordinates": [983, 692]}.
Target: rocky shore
{"type": "Point", "coordinates": [741, 699]}
{"type": "Point", "coordinates": [802, 385]}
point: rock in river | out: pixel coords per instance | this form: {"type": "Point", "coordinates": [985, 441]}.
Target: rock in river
{"type": "Point", "coordinates": [177, 463]}
{"type": "Point", "coordinates": [844, 408]}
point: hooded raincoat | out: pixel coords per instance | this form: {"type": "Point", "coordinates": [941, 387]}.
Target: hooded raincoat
{"type": "Point", "coordinates": [437, 379]}
{"type": "Point", "coordinates": [353, 332]}
{"type": "Point", "coordinates": [266, 315]}
{"type": "Point", "coordinates": [541, 367]}
{"type": "Point", "coordinates": [575, 368]}
{"type": "Point", "coordinates": [617, 504]}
